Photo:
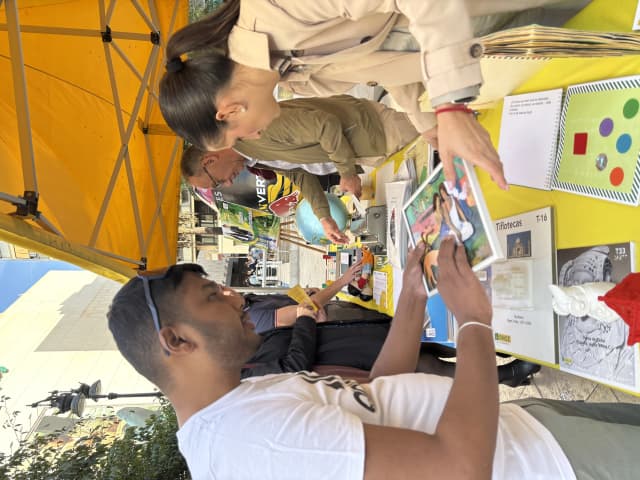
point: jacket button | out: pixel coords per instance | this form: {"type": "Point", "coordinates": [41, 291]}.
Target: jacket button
{"type": "Point", "coordinates": [371, 83]}
{"type": "Point", "coordinates": [476, 50]}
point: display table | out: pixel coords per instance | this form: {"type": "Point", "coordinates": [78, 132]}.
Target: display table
{"type": "Point", "coordinates": [580, 221]}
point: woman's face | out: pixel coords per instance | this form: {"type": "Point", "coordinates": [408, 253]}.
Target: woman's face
{"type": "Point", "coordinates": [247, 107]}
{"type": "Point", "coordinates": [249, 123]}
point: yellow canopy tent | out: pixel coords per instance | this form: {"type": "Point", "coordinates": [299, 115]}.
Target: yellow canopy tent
{"type": "Point", "coordinates": [88, 170]}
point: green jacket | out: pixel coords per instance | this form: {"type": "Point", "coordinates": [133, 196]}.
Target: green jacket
{"type": "Point", "coordinates": [336, 129]}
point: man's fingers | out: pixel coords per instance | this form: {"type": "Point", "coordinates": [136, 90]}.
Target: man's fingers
{"type": "Point", "coordinates": [446, 258]}
{"type": "Point", "coordinates": [462, 263]}
{"type": "Point", "coordinates": [418, 251]}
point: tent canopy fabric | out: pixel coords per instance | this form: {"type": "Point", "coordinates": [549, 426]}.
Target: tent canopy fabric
{"type": "Point", "coordinates": [81, 132]}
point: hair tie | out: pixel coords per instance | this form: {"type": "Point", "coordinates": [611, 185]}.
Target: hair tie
{"type": "Point", "coordinates": [175, 65]}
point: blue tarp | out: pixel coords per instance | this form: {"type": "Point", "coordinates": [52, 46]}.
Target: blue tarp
{"type": "Point", "coordinates": [17, 276]}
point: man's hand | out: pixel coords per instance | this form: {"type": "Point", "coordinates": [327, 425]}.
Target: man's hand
{"type": "Point", "coordinates": [351, 274]}
{"type": "Point", "coordinates": [412, 278]}
{"type": "Point", "coordinates": [459, 134]}
{"type": "Point", "coordinates": [332, 232]}
{"type": "Point", "coordinates": [351, 184]}
{"type": "Point", "coordinates": [458, 285]}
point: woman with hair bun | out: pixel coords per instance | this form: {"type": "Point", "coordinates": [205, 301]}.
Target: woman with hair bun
{"type": "Point", "coordinates": [223, 90]}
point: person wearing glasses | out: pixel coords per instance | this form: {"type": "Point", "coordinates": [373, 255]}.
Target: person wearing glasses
{"type": "Point", "coordinates": [211, 170]}
{"type": "Point", "coordinates": [191, 337]}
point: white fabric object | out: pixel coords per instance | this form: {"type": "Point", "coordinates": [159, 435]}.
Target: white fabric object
{"type": "Point", "coordinates": [314, 168]}
{"type": "Point", "coordinates": [582, 300]}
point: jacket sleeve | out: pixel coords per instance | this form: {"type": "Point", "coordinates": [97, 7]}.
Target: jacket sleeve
{"type": "Point", "coordinates": [408, 98]}
{"type": "Point", "coordinates": [317, 127]}
{"type": "Point", "coordinates": [449, 58]}
{"type": "Point", "coordinates": [300, 355]}
{"type": "Point", "coordinates": [311, 189]}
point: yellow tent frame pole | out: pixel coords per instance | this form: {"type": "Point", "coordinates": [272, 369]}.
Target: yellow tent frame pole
{"type": "Point", "coordinates": [19, 232]}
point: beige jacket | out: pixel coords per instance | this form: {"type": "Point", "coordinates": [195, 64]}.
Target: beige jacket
{"type": "Point", "coordinates": [323, 47]}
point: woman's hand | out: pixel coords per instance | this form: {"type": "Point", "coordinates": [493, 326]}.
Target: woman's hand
{"type": "Point", "coordinates": [460, 135]}
{"type": "Point", "coordinates": [311, 290]}
{"type": "Point", "coordinates": [305, 310]}
{"type": "Point", "coordinates": [351, 274]}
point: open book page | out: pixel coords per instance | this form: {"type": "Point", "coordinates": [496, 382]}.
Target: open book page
{"type": "Point", "coordinates": [599, 136]}
{"type": "Point", "coordinates": [529, 137]}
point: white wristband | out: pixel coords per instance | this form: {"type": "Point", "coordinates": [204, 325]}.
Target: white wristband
{"type": "Point", "coordinates": [473, 323]}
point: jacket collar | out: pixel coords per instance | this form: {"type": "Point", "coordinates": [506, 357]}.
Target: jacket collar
{"type": "Point", "coordinates": [250, 48]}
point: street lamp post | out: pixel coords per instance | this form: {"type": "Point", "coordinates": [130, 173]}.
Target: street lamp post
{"type": "Point", "coordinates": [74, 399]}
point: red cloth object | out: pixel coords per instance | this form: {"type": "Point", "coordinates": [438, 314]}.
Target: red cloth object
{"type": "Point", "coordinates": [624, 299]}
{"type": "Point", "coordinates": [263, 172]}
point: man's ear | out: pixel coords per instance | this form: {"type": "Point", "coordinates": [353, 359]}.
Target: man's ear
{"type": "Point", "coordinates": [176, 341]}
{"type": "Point", "coordinates": [228, 111]}
{"type": "Point", "coordinates": [209, 158]}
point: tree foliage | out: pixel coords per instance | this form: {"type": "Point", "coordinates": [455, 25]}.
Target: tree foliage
{"type": "Point", "coordinates": [144, 453]}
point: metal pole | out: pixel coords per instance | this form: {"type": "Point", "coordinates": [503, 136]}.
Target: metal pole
{"type": "Point", "coordinates": [22, 102]}
{"type": "Point", "coordinates": [77, 32]}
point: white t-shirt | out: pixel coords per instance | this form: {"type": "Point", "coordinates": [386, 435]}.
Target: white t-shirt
{"type": "Point", "coordinates": [306, 426]}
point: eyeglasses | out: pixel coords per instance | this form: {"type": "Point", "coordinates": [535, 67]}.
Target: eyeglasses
{"type": "Point", "coordinates": [214, 182]}
{"type": "Point", "coordinates": [146, 278]}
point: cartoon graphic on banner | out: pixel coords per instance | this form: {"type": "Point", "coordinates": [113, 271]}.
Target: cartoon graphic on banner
{"type": "Point", "coordinates": [278, 196]}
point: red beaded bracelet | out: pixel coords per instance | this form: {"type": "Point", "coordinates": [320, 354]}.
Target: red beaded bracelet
{"type": "Point", "coordinates": [454, 108]}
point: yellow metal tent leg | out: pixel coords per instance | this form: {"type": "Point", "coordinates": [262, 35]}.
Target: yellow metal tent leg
{"type": "Point", "coordinates": [23, 234]}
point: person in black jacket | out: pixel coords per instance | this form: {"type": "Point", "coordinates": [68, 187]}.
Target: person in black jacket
{"type": "Point", "coordinates": [347, 348]}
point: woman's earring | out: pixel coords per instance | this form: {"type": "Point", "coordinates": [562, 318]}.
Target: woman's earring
{"type": "Point", "coordinates": [243, 109]}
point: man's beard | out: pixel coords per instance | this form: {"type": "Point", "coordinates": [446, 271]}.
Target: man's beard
{"type": "Point", "coordinates": [230, 349]}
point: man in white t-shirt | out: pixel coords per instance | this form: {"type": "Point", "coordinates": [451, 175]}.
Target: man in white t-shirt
{"type": "Point", "coordinates": [191, 336]}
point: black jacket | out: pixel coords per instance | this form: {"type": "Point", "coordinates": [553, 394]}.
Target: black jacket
{"type": "Point", "coordinates": [305, 344]}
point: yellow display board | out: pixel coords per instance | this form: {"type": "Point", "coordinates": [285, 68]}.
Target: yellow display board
{"type": "Point", "coordinates": [580, 220]}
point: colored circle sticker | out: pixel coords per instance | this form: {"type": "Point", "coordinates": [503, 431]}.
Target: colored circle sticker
{"type": "Point", "coordinates": [616, 176]}
{"type": "Point", "coordinates": [606, 127]}
{"type": "Point", "coordinates": [623, 144]}
{"type": "Point", "coordinates": [631, 108]}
